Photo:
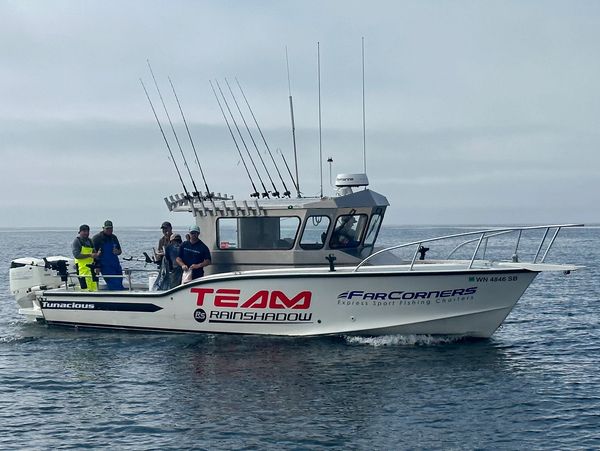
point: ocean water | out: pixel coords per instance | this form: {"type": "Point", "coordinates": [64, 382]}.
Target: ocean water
{"type": "Point", "coordinates": [535, 384]}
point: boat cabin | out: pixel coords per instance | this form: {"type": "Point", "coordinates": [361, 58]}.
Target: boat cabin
{"type": "Point", "coordinates": [258, 234]}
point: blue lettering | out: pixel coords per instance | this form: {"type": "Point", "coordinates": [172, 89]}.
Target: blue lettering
{"type": "Point", "coordinates": [355, 293]}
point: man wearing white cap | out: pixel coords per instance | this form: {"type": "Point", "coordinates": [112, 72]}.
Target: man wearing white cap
{"type": "Point", "coordinates": [194, 254]}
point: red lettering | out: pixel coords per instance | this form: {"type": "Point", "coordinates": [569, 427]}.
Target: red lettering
{"type": "Point", "coordinates": [280, 300]}
{"type": "Point", "coordinates": [227, 297]}
{"type": "Point", "coordinates": [201, 292]}
{"type": "Point", "coordinates": [257, 300]}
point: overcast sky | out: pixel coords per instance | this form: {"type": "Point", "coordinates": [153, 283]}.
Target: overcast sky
{"type": "Point", "coordinates": [476, 112]}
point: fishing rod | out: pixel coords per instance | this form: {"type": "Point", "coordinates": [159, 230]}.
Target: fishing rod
{"type": "Point", "coordinates": [208, 193]}
{"type": "Point", "coordinates": [274, 192]}
{"type": "Point", "coordinates": [255, 193]}
{"type": "Point", "coordinates": [173, 129]}
{"type": "Point", "coordinates": [265, 192]}
{"type": "Point", "coordinates": [288, 169]}
{"type": "Point", "coordinates": [187, 194]}
{"type": "Point", "coordinates": [293, 125]}
{"type": "Point", "coordinates": [287, 192]}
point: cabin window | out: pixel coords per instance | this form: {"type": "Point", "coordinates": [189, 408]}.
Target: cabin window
{"type": "Point", "coordinates": [257, 232]}
{"type": "Point", "coordinates": [315, 232]}
{"type": "Point", "coordinates": [373, 229]}
{"type": "Point", "coordinates": [348, 231]}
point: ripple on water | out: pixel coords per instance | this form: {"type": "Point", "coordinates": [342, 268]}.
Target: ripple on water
{"type": "Point", "coordinates": [535, 384]}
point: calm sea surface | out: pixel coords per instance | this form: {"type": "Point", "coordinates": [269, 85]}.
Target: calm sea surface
{"type": "Point", "coordinates": [535, 384]}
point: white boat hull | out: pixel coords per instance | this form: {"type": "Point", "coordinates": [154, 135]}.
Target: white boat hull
{"type": "Point", "coordinates": [306, 302]}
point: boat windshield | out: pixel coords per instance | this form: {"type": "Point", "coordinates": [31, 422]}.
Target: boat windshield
{"type": "Point", "coordinates": [257, 232]}
{"type": "Point", "coordinates": [348, 231]}
{"type": "Point", "coordinates": [373, 229]}
{"type": "Point", "coordinates": [315, 232]}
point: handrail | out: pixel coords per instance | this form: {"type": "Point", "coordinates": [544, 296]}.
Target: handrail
{"type": "Point", "coordinates": [126, 274]}
{"type": "Point", "coordinates": [475, 239]}
{"type": "Point", "coordinates": [484, 234]}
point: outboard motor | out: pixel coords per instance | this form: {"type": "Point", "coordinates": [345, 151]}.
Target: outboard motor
{"type": "Point", "coordinates": [28, 275]}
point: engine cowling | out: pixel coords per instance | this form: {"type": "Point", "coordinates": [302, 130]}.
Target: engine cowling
{"type": "Point", "coordinates": [29, 274]}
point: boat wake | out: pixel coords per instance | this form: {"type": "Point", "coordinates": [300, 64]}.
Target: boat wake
{"type": "Point", "coordinates": [403, 340]}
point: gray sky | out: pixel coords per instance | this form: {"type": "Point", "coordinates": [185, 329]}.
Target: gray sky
{"type": "Point", "coordinates": [477, 112]}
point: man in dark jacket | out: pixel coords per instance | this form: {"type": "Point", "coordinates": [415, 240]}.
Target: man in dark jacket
{"type": "Point", "coordinates": [194, 254]}
{"type": "Point", "coordinates": [110, 249]}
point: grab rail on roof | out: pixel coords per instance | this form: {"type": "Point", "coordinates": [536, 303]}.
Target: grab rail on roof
{"type": "Point", "coordinates": [481, 236]}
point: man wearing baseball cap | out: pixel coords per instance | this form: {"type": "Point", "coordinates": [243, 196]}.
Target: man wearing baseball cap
{"type": "Point", "coordinates": [194, 254]}
{"type": "Point", "coordinates": [110, 249]}
{"type": "Point", "coordinates": [83, 251]}
{"type": "Point", "coordinates": [167, 230]}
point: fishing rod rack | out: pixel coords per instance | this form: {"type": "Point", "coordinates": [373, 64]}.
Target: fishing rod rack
{"type": "Point", "coordinates": [216, 205]}
{"type": "Point", "coordinates": [481, 237]}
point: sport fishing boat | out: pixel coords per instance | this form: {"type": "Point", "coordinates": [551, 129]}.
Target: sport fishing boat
{"type": "Point", "coordinates": [283, 267]}
{"type": "Point", "coordinates": [302, 266]}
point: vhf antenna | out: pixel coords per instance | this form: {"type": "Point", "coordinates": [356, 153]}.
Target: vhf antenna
{"type": "Point", "coordinates": [363, 108]}
{"type": "Point", "coordinates": [320, 140]}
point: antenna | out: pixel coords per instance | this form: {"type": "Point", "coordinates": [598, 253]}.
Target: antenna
{"type": "Point", "coordinates": [363, 108]}
{"type": "Point", "coordinates": [320, 141]}
{"type": "Point", "coordinates": [297, 182]}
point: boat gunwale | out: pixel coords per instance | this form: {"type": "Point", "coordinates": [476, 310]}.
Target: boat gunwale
{"type": "Point", "coordinates": [259, 274]}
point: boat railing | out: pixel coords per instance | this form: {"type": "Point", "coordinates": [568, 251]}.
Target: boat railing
{"type": "Point", "coordinates": [127, 275]}
{"type": "Point", "coordinates": [481, 237]}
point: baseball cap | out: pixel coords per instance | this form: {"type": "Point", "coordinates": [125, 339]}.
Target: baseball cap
{"type": "Point", "coordinates": [84, 227]}
{"type": "Point", "coordinates": [107, 223]}
{"type": "Point", "coordinates": [194, 228]}
{"type": "Point", "coordinates": [175, 237]}
{"type": "Point", "coordinates": [165, 224]}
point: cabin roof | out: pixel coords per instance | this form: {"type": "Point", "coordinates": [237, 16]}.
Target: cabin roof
{"type": "Point", "coordinates": [362, 198]}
